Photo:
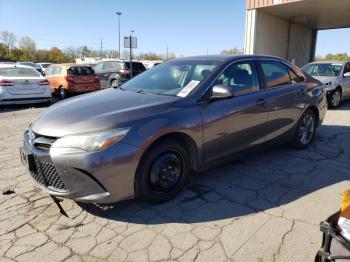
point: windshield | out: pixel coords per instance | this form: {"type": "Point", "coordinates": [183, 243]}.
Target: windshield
{"type": "Point", "coordinates": [176, 78]}
{"type": "Point", "coordinates": [18, 72]}
{"type": "Point", "coordinates": [45, 65]}
{"type": "Point", "coordinates": [323, 69]}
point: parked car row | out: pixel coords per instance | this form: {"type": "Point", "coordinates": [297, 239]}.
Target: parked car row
{"type": "Point", "coordinates": [66, 79]}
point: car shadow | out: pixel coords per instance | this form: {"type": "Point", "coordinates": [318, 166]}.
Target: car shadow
{"type": "Point", "coordinates": [259, 182]}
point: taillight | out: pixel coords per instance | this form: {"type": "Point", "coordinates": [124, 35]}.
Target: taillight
{"type": "Point", "coordinates": [124, 71]}
{"type": "Point", "coordinates": [69, 78]}
{"type": "Point", "coordinates": [96, 79]}
{"type": "Point", "coordinates": [324, 89]}
{"type": "Point", "coordinates": [44, 82]}
{"type": "Point", "coordinates": [6, 83]}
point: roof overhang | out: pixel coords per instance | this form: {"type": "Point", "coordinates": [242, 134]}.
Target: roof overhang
{"type": "Point", "coordinates": [316, 14]}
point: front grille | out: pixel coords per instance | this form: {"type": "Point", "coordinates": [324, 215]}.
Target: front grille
{"type": "Point", "coordinates": [40, 142]}
{"type": "Point", "coordinates": [47, 176]}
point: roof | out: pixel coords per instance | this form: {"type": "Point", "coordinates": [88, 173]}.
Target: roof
{"type": "Point", "coordinates": [15, 65]}
{"type": "Point", "coordinates": [226, 57]}
{"type": "Point", "coordinates": [329, 62]}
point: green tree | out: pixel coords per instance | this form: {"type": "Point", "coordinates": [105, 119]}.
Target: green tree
{"type": "Point", "coordinates": [56, 56]}
{"type": "Point", "coordinates": [3, 52]}
{"type": "Point", "coordinates": [8, 39]}
{"type": "Point", "coordinates": [337, 57]}
{"type": "Point", "coordinates": [232, 51]}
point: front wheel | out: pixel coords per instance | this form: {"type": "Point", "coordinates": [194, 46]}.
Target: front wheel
{"type": "Point", "coordinates": [163, 172]}
{"type": "Point", "coordinates": [334, 98]}
{"type": "Point", "coordinates": [305, 131]}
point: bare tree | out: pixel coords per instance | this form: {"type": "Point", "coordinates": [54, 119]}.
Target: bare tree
{"type": "Point", "coordinates": [8, 39]}
{"type": "Point", "coordinates": [27, 43]}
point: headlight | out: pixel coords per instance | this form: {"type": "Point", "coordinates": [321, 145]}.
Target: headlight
{"type": "Point", "coordinates": [93, 141]}
{"type": "Point", "coordinates": [329, 84]}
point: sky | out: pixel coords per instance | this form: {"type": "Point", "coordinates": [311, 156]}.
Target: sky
{"type": "Point", "coordinates": [186, 27]}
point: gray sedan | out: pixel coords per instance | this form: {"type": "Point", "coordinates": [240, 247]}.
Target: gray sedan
{"type": "Point", "coordinates": [144, 138]}
{"type": "Point", "coordinates": [336, 77]}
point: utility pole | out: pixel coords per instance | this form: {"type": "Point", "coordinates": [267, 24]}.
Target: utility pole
{"type": "Point", "coordinates": [119, 14]}
{"type": "Point", "coordinates": [101, 48]}
{"type": "Point", "coordinates": [167, 53]}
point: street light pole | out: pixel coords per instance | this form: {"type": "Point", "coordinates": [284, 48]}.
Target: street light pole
{"type": "Point", "coordinates": [119, 14]}
{"type": "Point", "coordinates": [130, 39]}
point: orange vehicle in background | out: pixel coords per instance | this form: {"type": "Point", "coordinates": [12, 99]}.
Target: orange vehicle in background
{"type": "Point", "coordinates": [68, 79]}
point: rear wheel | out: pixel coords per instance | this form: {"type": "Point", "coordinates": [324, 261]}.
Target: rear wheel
{"type": "Point", "coordinates": [305, 131]}
{"type": "Point", "coordinates": [115, 83]}
{"type": "Point", "coordinates": [62, 92]}
{"type": "Point", "coordinates": [163, 172]}
{"type": "Point", "coordinates": [334, 98]}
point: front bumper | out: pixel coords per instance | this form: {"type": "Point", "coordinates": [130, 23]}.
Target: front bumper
{"type": "Point", "coordinates": [100, 177]}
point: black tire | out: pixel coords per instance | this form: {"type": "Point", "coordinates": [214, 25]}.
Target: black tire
{"type": "Point", "coordinates": [302, 136]}
{"type": "Point", "coordinates": [334, 98]}
{"type": "Point", "coordinates": [115, 83]}
{"type": "Point", "coordinates": [171, 159]}
{"type": "Point", "coordinates": [62, 93]}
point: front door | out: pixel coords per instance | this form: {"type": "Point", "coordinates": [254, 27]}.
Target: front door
{"type": "Point", "coordinates": [234, 124]}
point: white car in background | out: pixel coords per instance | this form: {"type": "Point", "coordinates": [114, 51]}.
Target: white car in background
{"type": "Point", "coordinates": [43, 66]}
{"type": "Point", "coordinates": [20, 84]}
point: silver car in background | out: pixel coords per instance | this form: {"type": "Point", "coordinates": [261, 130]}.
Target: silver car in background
{"type": "Point", "coordinates": [335, 75]}
{"type": "Point", "coordinates": [21, 84]}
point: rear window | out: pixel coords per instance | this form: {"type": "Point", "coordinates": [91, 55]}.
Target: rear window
{"type": "Point", "coordinates": [18, 72]}
{"type": "Point", "coordinates": [136, 66]}
{"type": "Point", "coordinates": [80, 71]}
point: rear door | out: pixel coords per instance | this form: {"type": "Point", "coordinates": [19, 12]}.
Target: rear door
{"type": "Point", "coordinates": [286, 97]}
{"type": "Point", "coordinates": [25, 81]}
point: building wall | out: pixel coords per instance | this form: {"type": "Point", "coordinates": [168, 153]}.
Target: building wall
{"type": "Point", "coordinates": [301, 44]}
{"type": "Point", "coordinates": [251, 4]}
{"type": "Point", "coordinates": [269, 35]}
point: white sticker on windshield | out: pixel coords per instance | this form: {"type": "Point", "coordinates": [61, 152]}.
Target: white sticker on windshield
{"type": "Point", "coordinates": [188, 88]}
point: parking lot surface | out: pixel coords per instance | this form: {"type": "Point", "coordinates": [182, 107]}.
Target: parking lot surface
{"type": "Point", "coordinates": [266, 207]}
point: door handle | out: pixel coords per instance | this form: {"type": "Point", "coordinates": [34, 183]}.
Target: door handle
{"type": "Point", "coordinates": [261, 102]}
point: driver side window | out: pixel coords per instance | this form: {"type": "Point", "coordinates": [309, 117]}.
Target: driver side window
{"type": "Point", "coordinates": [241, 77]}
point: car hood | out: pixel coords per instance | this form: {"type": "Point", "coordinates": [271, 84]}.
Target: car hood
{"type": "Point", "coordinates": [325, 79]}
{"type": "Point", "coordinates": [101, 110]}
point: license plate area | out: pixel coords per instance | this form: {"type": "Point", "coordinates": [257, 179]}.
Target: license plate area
{"type": "Point", "coordinates": [28, 160]}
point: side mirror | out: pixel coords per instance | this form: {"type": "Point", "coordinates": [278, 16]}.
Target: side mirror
{"type": "Point", "coordinates": [347, 74]}
{"type": "Point", "coordinates": [221, 92]}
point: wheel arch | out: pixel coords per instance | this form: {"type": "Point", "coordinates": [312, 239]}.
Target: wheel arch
{"type": "Point", "coordinates": [181, 137]}
{"type": "Point", "coordinates": [316, 112]}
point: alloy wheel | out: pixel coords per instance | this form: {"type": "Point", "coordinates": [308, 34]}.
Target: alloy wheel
{"type": "Point", "coordinates": [335, 99]}
{"type": "Point", "coordinates": [306, 129]}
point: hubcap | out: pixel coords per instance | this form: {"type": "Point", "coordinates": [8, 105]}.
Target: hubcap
{"type": "Point", "coordinates": [306, 130]}
{"type": "Point", "coordinates": [336, 98]}
{"type": "Point", "coordinates": [62, 93]}
{"type": "Point", "coordinates": [166, 171]}
{"type": "Point", "coordinates": [114, 83]}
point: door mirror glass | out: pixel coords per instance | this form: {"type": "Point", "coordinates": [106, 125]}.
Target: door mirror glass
{"type": "Point", "coordinates": [347, 74]}
{"type": "Point", "coordinates": [221, 92]}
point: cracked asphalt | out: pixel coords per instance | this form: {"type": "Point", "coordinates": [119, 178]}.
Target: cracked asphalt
{"type": "Point", "coordinates": [266, 207]}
